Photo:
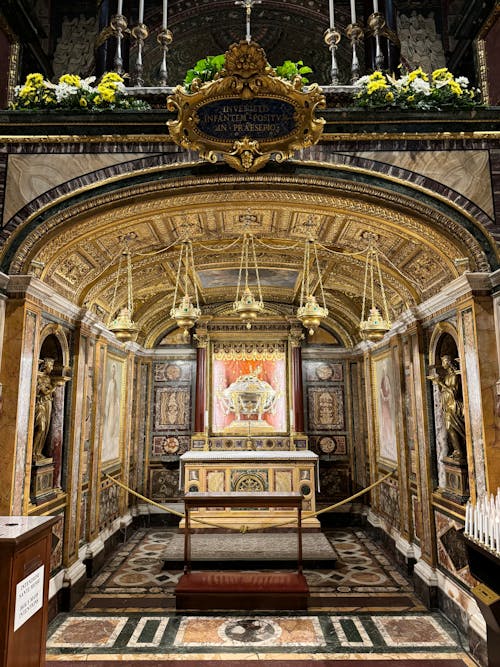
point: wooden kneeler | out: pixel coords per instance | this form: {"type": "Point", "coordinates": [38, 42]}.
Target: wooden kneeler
{"type": "Point", "coordinates": [208, 591]}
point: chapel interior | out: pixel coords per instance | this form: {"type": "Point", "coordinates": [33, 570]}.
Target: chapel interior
{"type": "Point", "coordinates": [179, 322]}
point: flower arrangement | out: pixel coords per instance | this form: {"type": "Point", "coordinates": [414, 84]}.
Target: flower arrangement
{"type": "Point", "coordinates": [416, 90]}
{"type": "Point", "coordinates": [72, 92]}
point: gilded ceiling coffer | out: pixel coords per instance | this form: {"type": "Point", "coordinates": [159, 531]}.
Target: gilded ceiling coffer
{"type": "Point", "coordinates": [248, 115]}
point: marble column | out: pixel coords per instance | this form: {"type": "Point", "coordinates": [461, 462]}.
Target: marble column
{"type": "Point", "coordinates": [201, 383]}
{"type": "Point", "coordinates": [297, 385]}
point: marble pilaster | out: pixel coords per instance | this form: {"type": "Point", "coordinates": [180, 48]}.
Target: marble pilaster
{"type": "Point", "coordinates": [22, 323]}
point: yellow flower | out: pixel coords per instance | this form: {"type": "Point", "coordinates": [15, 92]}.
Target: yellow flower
{"type": "Point", "coordinates": [418, 73]}
{"type": "Point", "coordinates": [373, 86]}
{"type": "Point", "coordinates": [389, 97]}
{"type": "Point", "coordinates": [441, 73]}
{"type": "Point", "coordinates": [377, 76]}
{"type": "Point", "coordinates": [110, 77]}
{"type": "Point", "coordinates": [83, 102]}
{"type": "Point", "coordinates": [410, 98]}
{"type": "Point", "coordinates": [35, 79]}
{"type": "Point", "coordinates": [97, 99]}
{"type": "Point", "coordinates": [70, 79]}
{"type": "Point", "coordinates": [455, 88]}
{"type": "Point", "coordinates": [107, 93]}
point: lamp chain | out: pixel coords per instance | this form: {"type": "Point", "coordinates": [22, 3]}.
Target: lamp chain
{"type": "Point", "coordinates": [115, 291]}
{"type": "Point", "coordinates": [195, 286]}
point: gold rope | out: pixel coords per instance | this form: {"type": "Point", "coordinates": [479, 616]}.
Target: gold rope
{"type": "Point", "coordinates": [244, 528]}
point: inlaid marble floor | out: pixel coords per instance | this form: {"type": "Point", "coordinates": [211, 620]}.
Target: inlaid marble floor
{"type": "Point", "coordinates": [363, 609]}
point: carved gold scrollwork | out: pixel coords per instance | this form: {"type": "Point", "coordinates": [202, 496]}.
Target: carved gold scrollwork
{"type": "Point", "coordinates": [247, 115]}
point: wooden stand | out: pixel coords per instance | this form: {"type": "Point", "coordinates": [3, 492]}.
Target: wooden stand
{"type": "Point", "coordinates": [484, 565]}
{"type": "Point", "coordinates": [204, 591]}
{"type": "Point", "coordinates": [25, 544]}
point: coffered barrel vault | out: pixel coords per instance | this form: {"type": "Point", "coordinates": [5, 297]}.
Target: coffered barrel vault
{"type": "Point", "coordinates": [72, 234]}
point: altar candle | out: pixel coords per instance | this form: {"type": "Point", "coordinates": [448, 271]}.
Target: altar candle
{"type": "Point", "coordinates": [353, 11]}
{"type": "Point", "coordinates": [332, 15]}
{"type": "Point", "coordinates": [141, 11]}
{"type": "Point", "coordinates": [497, 534]}
{"type": "Point", "coordinates": [375, 5]}
{"type": "Point", "coordinates": [164, 24]}
{"type": "Point", "coordinates": [120, 7]}
{"type": "Point", "coordinates": [467, 512]}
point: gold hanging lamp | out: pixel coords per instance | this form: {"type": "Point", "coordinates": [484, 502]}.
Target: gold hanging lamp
{"type": "Point", "coordinates": [376, 324]}
{"type": "Point", "coordinates": [124, 328]}
{"type": "Point", "coordinates": [186, 314]}
{"type": "Point", "coordinates": [310, 312]}
{"type": "Point", "coordinates": [246, 305]}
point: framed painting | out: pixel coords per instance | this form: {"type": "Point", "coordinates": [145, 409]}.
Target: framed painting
{"type": "Point", "coordinates": [114, 379]}
{"type": "Point", "coordinates": [383, 386]}
{"type": "Point", "coordinates": [249, 392]}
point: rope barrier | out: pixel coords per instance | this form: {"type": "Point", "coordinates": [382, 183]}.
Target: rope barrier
{"type": "Point", "coordinates": [244, 528]}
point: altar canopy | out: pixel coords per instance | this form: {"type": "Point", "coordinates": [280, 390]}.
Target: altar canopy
{"type": "Point", "coordinates": [249, 442]}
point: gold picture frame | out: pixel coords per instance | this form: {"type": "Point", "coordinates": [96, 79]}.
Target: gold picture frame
{"type": "Point", "coordinates": [384, 407]}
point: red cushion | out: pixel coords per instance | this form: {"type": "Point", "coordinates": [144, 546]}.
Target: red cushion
{"type": "Point", "coordinates": [234, 582]}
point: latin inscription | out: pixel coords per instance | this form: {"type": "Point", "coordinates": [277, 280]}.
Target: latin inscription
{"type": "Point", "coordinates": [257, 119]}
{"type": "Point", "coordinates": [29, 597]}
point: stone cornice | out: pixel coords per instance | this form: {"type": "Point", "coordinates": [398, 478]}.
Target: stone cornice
{"type": "Point", "coordinates": [31, 287]}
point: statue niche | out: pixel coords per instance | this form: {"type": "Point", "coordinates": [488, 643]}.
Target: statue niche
{"type": "Point", "coordinates": [453, 408]}
{"type": "Point", "coordinates": [447, 379]}
{"type": "Point", "coordinates": [52, 375]}
{"type": "Point", "coordinates": [45, 388]}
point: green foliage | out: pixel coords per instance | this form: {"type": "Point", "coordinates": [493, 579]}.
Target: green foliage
{"type": "Point", "coordinates": [289, 70]}
{"type": "Point", "coordinates": [208, 68]}
{"type": "Point", "coordinates": [205, 69]}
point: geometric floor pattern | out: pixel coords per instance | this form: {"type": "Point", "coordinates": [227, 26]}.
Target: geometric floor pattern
{"type": "Point", "coordinates": [364, 609]}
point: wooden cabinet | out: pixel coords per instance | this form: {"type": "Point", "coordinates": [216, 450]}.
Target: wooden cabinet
{"type": "Point", "coordinates": [25, 546]}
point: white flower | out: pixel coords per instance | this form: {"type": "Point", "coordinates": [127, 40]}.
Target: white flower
{"type": "Point", "coordinates": [85, 84]}
{"type": "Point", "coordinates": [420, 86]}
{"type": "Point", "coordinates": [363, 80]}
{"type": "Point", "coordinates": [400, 83]}
{"type": "Point", "coordinates": [64, 90]}
{"type": "Point", "coordinates": [462, 81]}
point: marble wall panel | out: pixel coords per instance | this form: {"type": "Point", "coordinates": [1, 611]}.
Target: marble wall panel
{"type": "Point", "coordinates": [28, 176]}
{"type": "Point", "coordinates": [451, 551]}
{"type": "Point", "coordinates": [109, 504]}
{"type": "Point", "coordinates": [173, 371]}
{"type": "Point", "coordinates": [168, 445]}
{"type": "Point", "coordinates": [466, 172]}
{"type": "Point", "coordinates": [324, 371]}
{"type": "Point", "coordinates": [163, 484]}
{"type": "Point", "coordinates": [389, 503]}
{"type": "Point", "coordinates": [23, 411]}
{"type": "Point", "coordinates": [474, 406]}
{"type": "Point", "coordinates": [56, 554]}
{"type": "Point", "coordinates": [325, 408]}
{"type": "Point", "coordinates": [215, 481]}
{"type": "Point", "coordinates": [334, 482]}
{"type": "Point", "coordinates": [283, 481]}
{"type": "Point", "coordinates": [172, 409]}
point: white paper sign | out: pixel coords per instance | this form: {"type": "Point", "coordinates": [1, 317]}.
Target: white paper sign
{"type": "Point", "coordinates": [29, 597]}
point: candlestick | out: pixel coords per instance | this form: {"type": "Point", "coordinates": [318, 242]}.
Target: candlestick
{"type": "Point", "coordinates": [353, 11]}
{"type": "Point", "coordinates": [141, 11]}
{"type": "Point", "coordinates": [375, 5]}
{"type": "Point", "coordinates": [120, 7]}
{"type": "Point", "coordinates": [164, 24]}
{"type": "Point", "coordinates": [332, 15]}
